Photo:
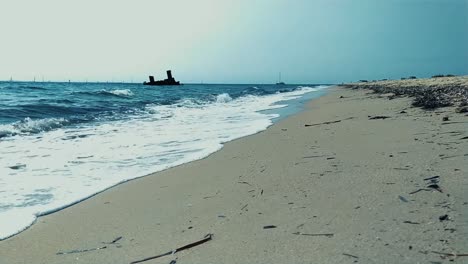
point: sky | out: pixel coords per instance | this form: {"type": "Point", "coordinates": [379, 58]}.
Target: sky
{"type": "Point", "coordinates": [237, 41]}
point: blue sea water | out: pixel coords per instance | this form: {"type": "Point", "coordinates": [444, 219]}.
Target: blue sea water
{"type": "Point", "coordinates": [63, 142]}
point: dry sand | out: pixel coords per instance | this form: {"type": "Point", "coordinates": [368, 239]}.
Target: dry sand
{"type": "Point", "coordinates": [352, 179]}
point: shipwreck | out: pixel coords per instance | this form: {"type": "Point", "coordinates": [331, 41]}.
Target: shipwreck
{"type": "Point", "coordinates": [169, 81]}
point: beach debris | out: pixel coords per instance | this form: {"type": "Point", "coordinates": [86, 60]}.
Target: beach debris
{"type": "Point", "coordinates": [87, 157]}
{"type": "Point", "coordinates": [313, 156]}
{"type": "Point", "coordinates": [444, 217]}
{"type": "Point", "coordinates": [327, 123]}
{"type": "Point", "coordinates": [418, 190]}
{"type": "Point", "coordinates": [244, 182]}
{"type": "Point", "coordinates": [89, 249]}
{"type": "Point", "coordinates": [269, 226]}
{"type": "Point", "coordinates": [324, 123]}
{"type": "Point", "coordinates": [427, 94]}
{"type": "Point", "coordinates": [306, 234]}
{"type": "Point", "coordinates": [207, 238]}
{"type": "Point", "coordinates": [18, 166]}
{"type": "Point", "coordinates": [432, 100]}
{"type": "Point", "coordinates": [433, 184]}
{"type": "Point", "coordinates": [434, 178]}
{"type": "Point", "coordinates": [445, 118]}
{"type": "Point", "coordinates": [403, 199]}
{"type": "Point", "coordinates": [454, 255]}
{"type": "Point", "coordinates": [435, 187]}
{"type": "Point", "coordinates": [243, 207]}
{"type": "Point", "coordinates": [349, 255]}
{"type": "Point", "coordinates": [378, 117]}
{"type": "Point", "coordinates": [463, 109]}
{"type": "Point", "coordinates": [114, 241]}
{"type": "Point", "coordinates": [411, 222]}
{"type": "Point", "coordinates": [403, 112]}
{"type": "Point", "coordinates": [448, 123]}
{"type": "Point", "coordinates": [80, 250]}
{"type": "Point", "coordinates": [211, 196]}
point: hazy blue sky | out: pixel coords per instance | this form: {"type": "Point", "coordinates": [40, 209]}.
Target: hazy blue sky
{"type": "Point", "coordinates": [238, 41]}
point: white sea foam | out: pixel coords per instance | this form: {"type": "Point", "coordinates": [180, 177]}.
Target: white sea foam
{"type": "Point", "coordinates": [40, 175]}
{"type": "Point", "coordinates": [29, 125]}
{"type": "Point", "coordinates": [223, 98]}
{"type": "Point", "coordinates": [122, 92]}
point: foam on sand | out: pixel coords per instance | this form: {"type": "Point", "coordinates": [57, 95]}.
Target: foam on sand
{"type": "Point", "coordinates": [51, 170]}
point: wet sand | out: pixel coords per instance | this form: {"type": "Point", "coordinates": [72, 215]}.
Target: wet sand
{"type": "Point", "coordinates": [341, 182]}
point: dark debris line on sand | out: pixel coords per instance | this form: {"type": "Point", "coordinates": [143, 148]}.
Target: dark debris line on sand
{"type": "Point", "coordinates": [207, 238]}
{"type": "Point", "coordinates": [425, 96]}
{"type": "Point", "coordinates": [90, 249]}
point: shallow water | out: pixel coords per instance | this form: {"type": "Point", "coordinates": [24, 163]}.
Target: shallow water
{"type": "Point", "coordinates": [61, 143]}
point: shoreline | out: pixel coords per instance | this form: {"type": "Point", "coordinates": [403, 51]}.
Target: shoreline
{"type": "Point", "coordinates": [301, 179]}
{"type": "Point", "coordinates": [27, 220]}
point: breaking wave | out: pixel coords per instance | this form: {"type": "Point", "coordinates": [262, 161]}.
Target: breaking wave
{"type": "Point", "coordinates": [29, 126]}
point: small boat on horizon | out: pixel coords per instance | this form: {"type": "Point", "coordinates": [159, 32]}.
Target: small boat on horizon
{"type": "Point", "coordinates": [279, 80]}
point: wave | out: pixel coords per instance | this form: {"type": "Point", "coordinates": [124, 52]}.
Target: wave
{"type": "Point", "coordinates": [118, 93]}
{"type": "Point", "coordinates": [27, 87]}
{"type": "Point", "coordinates": [122, 92]}
{"type": "Point", "coordinates": [29, 126]}
{"type": "Point", "coordinates": [255, 91]}
{"type": "Point", "coordinates": [166, 135]}
{"type": "Point", "coordinates": [223, 98]}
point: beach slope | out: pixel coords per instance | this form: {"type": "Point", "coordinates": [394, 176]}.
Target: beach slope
{"type": "Point", "coordinates": [356, 177]}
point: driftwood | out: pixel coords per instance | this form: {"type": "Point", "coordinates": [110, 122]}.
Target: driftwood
{"type": "Point", "coordinates": [89, 249]}
{"type": "Point", "coordinates": [115, 240]}
{"type": "Point", "coordinates": [324, 123]}
{"type": "Point", "coordinates": [418, 190]}
{"type": "Point", "coordinates": [403, 199]}
{"type": "Point", "coordinates": [434, 178]}
{"type": "Point", "coordinates": [327, 123]}
{"type": "Point", "coordinates": [80, 250]}
{"type": "Point", "coordinates": [450, 254]}
{"type": "Point", "coordinates": [304, 234]}
{"type": "Point", "coordinates": [446, 123]}
{"type": "Point", "coordinates": [269, 227]}
{"type": "Point", "coordinates": [411, 222]}
{"type": "Point", "coordinates": [199, 242]}
{"type": "Point", "coordinates": [313, 156]}
{"type": "Point", "coordinates": [378, 117]}
{"type": "Point", "coordinates": [435, 187]}
{"type": "Point", "coordinates": [244, 182]}
{"type": "Point", "coordinates": [349, 255]}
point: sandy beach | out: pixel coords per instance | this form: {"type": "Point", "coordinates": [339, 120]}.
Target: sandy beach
{"type": "Point", "coordinates": [354, 178]}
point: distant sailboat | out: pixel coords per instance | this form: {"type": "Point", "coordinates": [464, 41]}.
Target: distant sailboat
{"type": "Point", "coordinates": [279, 80]}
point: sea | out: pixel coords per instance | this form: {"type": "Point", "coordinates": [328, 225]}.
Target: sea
{"type": "Point", "coordinates": [61, 143]}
